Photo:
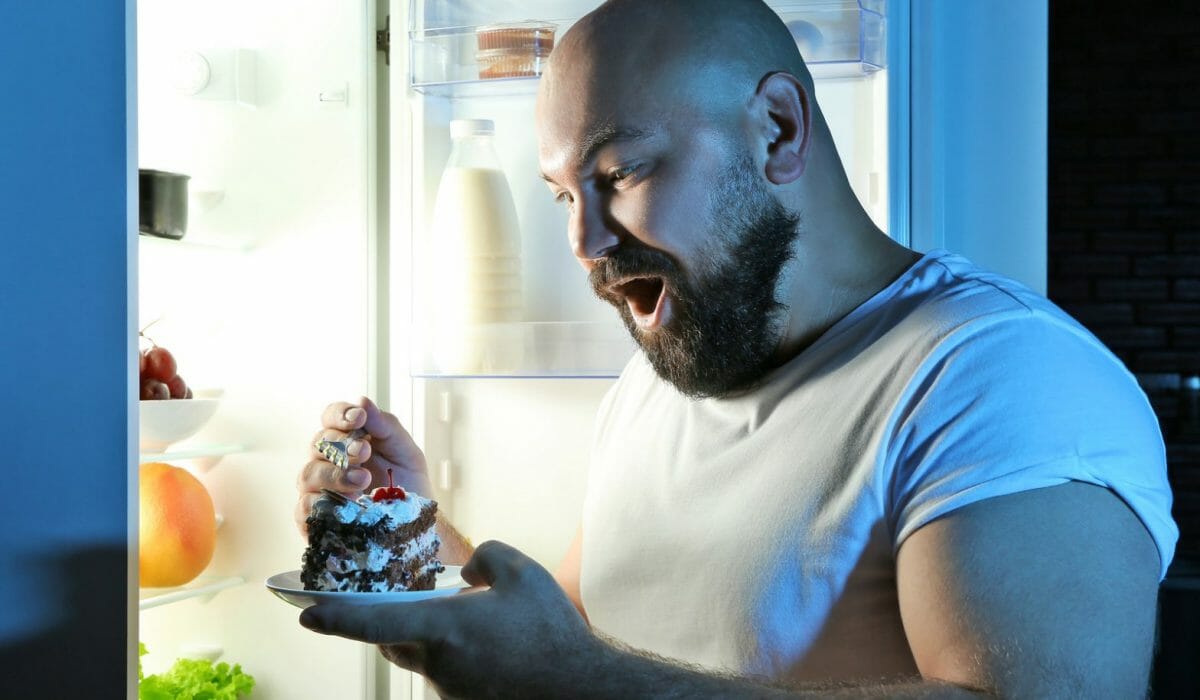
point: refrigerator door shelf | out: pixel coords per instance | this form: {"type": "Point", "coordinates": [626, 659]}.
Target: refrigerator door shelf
{"type": "Point", "coordinates": [449, 61]}
{"type": "Point", "coordinates": [838, 39]}
{"type": "Point", "coordinates": [204, 587]}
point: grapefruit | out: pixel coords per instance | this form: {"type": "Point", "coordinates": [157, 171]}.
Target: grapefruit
{"type": "Point", "coordinates": [177, 526]}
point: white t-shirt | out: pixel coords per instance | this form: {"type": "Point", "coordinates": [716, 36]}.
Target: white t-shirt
{"type": "Point", "coordinates": [757, 534]}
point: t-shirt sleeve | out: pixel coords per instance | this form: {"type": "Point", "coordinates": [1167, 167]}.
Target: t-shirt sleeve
{"type": "Point", "coordinates": [1021, 403]}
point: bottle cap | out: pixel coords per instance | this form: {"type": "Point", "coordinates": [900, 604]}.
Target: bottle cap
{"type": "Point", "coordinates": [471, 127]}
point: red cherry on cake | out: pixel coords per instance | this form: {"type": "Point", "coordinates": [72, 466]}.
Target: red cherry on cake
{"type": "Point", "coordinates": [390, 492]}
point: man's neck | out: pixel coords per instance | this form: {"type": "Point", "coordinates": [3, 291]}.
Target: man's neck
{"type": "Point", "coordinates": [821, 286]}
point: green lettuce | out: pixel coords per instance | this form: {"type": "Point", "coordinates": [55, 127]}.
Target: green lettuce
{"type": "Point", "coordinates": [194, 679]}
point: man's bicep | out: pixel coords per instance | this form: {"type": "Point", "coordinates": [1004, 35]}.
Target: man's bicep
{"type": "Point", "coordinates": [1044, 593]}
{"type": "Point", "coordinates": [567, 574]}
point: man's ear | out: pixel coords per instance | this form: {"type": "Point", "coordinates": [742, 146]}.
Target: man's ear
{"type": "Point", "coordinates": [786, 113]}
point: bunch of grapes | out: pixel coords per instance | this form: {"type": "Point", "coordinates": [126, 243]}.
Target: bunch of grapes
{"type": "Point", "coordinates": [158, 375]}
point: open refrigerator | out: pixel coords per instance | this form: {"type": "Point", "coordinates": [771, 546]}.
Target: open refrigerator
{"type": "Point", "coordinates": [315, 135]}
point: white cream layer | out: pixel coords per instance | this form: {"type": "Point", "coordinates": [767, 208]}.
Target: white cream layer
{"type": "Point", "coordinates": [401, 511]}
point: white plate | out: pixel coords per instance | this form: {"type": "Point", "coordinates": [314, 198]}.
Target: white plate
{"type": "Point", "coordinates": [288, 587]}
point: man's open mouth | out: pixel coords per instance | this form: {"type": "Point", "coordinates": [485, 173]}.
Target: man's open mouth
{"type": "Point", "coordinates": [646, 298]}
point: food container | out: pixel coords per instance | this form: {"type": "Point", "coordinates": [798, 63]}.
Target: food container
{"type": "Point", "coordinates": [514, 49]}
{"type": "Point", "coordinates": [162, 203]}
{"type": "Point", "coordinates": [163, 423]}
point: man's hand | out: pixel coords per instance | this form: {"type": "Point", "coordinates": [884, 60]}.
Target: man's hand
{"type": "Point", "coordinates": [521, 633]}
{"type": "Point", "coordinates": [386, 445]}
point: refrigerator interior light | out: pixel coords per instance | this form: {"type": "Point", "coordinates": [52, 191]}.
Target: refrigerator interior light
{"type": "Point", "coordinates": [218, 74]}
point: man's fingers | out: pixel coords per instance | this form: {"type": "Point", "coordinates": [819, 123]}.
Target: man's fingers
{"type": "Point", "coordinates": [361, 414]}
{"type": "Point", "coordinates": [390, 439]}
{"type": "Point", "coordinates": [399, 623]}
{"type": "Point", "coordinates": [343, 416]}
{"type": "Point", "coordinates": [496, 563]}
{"type": "Point", "coordinates": [319, 474]}
{"type": "Point", "coordinates": [388, 434]}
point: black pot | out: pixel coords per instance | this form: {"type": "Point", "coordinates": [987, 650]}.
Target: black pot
{"type": "Point", "coordinates": [162, 203]}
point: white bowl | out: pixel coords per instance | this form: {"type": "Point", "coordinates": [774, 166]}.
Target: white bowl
{"type": "Point", "coordinates": [162, 423]}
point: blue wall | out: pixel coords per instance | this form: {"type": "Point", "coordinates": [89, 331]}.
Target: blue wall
{"type": "Point", "coordinates": [66, 171]}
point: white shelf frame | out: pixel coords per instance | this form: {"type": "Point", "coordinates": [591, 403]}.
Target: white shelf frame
{"type": "Point", "coordinates": [197, 452]}
{"type": "Point", "coordinates": [203, 587]}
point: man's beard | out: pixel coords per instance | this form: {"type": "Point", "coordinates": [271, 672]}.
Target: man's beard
{"type": "Point", "coordinates": [726, 322]}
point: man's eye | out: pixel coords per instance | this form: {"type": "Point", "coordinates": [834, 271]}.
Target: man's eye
{"type": "Point", "coordinates": [621, 174]}
{"type": "Point", "coordinates": [564, 197]}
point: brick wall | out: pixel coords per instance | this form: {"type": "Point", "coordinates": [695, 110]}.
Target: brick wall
{"type": "Point", "coordinates": [1124, 201]}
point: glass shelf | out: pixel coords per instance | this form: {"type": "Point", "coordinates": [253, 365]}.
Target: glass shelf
{"type": "Point", "coordinates": [479, 88]}
{"type": "Point", "coordinates": [203, 586]}
{"type": "Point", "coordinates": [551, 350]}
{"type": "Point", "coordinates": [196, 241]}
{"type": "Point", "coordinates": [196, 452]}
{"type": "Point", "coordinates": [838, 39]}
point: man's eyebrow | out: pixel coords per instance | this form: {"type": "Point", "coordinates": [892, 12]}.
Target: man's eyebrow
{"type": "Point", "coordinates": [598, 138]}
{"type": "Point", "coordinates": [603, 135]}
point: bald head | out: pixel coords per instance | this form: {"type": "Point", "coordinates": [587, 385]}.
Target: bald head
{"type": "Point", "coordinates": [694, 66]}
{"type": "Point", "coordinates": [713, 51]}
{"type": "Point", "coordinates": [744, 33]}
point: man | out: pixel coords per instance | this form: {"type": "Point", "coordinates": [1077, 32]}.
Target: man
{"type": "Point", "coordinates": [837, 467]}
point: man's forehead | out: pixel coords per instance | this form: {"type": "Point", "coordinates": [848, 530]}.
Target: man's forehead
{"type": "Point", "coordinates": [575, 150]}
{"type": "Point", "coordinates": [577, 118]}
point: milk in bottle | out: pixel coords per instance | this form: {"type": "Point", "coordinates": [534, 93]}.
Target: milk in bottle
{"type": "Point", "coordinates": [476, 248]}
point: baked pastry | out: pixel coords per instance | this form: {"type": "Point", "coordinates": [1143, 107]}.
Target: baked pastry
{"type": "Point", "coordinates": [382, 542]}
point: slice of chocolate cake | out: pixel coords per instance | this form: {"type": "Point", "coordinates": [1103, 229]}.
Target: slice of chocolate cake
{"type": "Point", "coordinates": [382, 542]}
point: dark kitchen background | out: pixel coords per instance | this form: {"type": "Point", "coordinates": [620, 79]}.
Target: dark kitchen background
{"type": "Point", "coordinates": [1124, 242]}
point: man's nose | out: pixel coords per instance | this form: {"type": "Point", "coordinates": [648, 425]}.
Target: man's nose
{"type": "Point", "coordinates": [591, 234]}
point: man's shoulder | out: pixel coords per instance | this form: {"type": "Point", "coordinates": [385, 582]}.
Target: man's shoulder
{"type": "Point", "coordinates": [956, 298]}
{"type": "Point", "coordinates": [953, 288]}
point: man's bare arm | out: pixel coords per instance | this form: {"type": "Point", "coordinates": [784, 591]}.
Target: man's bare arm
{"type": "Point", "coordinates": [1045, 593]}
{"type": "Point", "coordinates": [567, 574]}
{"type": "Point", "coordinates": [456, 548]}
{"type": "Point", "coordinates": [630, 673]}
